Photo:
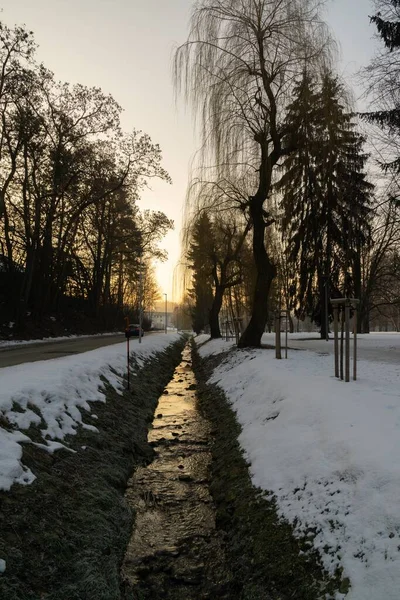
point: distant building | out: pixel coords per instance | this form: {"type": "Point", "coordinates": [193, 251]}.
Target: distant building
{"type": "Point", "coordinates": [158, 319]}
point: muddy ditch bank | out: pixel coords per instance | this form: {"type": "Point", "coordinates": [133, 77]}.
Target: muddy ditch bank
{"type": "Point", "coordinates": [64, 537]}
{"type": "Point", "coordinates": [176, 551]}
{"type": "Point", "coordinates": [267, 561]}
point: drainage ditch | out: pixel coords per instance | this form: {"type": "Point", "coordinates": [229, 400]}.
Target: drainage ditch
{"type": "Point", "coordinates": [175, 551]}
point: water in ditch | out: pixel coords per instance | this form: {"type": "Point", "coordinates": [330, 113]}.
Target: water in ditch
{"type": "Point", "coordinates": [175, 551]}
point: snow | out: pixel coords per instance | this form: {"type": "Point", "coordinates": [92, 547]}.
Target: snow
{"type": "Point", "coordinates": [378, 347]}
{"type": "Point", "coordinates": [53, 394]}
{"type": "Point", "coordinates": [327, 450]}
{"type": "Point", "coordinates": [201, 338]}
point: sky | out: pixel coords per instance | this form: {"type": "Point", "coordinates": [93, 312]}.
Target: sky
{"type": "Point", "coordinates": [126, 48]}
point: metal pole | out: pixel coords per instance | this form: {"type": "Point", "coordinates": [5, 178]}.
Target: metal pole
{"type": "Point", "coordinates": [278, 336]}
{"type": "Point", "coordinates": [355, 345]}
{"type": "Point", "coordinates": [347, 357]}
{"type": "Point", "coordinates": [336, 339]}
{"type": "Point", "coordinates": [287, 318]}
{"type": "Point", "coordinates": [127, 361]}
{"type": "Point", "coordinates": [165, 313]}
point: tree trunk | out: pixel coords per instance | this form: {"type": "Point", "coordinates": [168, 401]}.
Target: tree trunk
{"type": "Point", "coordinates": [266, 272]}
{"type": "Point", "coordinates": [120, 292]}
{"type": "Point", "coordinates": [363, 319]}
{"type": "Point", "coordinates": [26, 287]}
{"type": "Point", "coordinates": [214, 312]}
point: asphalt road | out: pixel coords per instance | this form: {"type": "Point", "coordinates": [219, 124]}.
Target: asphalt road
{"type": "Point", "coordinates": [15, 355]}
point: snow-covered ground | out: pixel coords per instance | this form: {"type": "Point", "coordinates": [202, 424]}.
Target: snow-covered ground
{"type": "Point", "coordinates": [57, 391]}
{"type": "Point", "coordinates": [378, 347]}
{"type": "Point", "coordinates": [327, 450]}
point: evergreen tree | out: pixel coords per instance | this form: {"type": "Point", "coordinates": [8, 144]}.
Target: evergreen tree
{"type": "Point", "coordinates": [384, 77]}
{"type": "Point", "coordinates": [200, 250]}
{"type": "Point", "coordinates": [301, 212]}
{"type": "Point", "coordinates": [389, 27]}
{"type": "Point", "coordinates": [325, 195]}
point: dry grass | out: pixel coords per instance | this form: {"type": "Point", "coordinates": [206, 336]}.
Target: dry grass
{"type": "Point", "coordinates": [64, 536]}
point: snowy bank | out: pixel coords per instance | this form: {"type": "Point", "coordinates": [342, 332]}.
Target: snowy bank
{"type": "Point", "coordinates": [51, 394]}
{"type": "Point", "coordinates": [327, 451]}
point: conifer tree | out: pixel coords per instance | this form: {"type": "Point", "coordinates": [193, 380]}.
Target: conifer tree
{"type": "Point", "coordinates": [383, 76]}
{"type": "Point", "coordinates": [325, 196]}
{"type": "Point", "coordinates": [298, 185]}
{"type": "Point", "coordinates": [200, 250]}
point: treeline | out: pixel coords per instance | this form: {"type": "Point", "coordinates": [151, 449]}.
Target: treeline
{"type": "Point", "coordinates": [287, 208]}
{"type": "Point", "coordinates": [71, 236]}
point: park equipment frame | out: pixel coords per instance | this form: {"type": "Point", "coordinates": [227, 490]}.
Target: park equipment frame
{"type": "Point", "coordinates": [347, 303]}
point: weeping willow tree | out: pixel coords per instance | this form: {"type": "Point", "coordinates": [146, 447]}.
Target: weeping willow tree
{"type": "Point", "coordinates": [237, 69]}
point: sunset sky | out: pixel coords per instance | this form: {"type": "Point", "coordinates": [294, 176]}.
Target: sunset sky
{"type": "Point", "coordinates": [126, 46]}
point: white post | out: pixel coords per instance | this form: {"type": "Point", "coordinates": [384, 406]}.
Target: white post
{"type": "Point", "coordinates": [165, 313]}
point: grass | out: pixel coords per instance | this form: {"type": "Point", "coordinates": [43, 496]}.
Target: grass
{"type": "Point", "coordinates": [64, 536]}
{"type": "Point", "coordinates": [268, 561]}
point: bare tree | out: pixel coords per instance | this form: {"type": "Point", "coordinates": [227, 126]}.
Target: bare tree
{"type": "Point", "coordinates": [380, 267]}
{"type": "Point", "coordinates": [237, 68]}
{"type": "Point", "coordinates": [70, 231]}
